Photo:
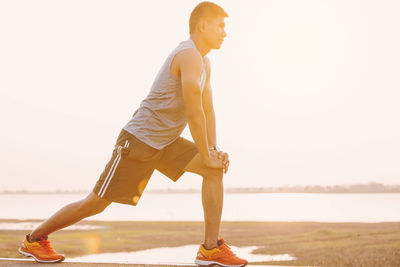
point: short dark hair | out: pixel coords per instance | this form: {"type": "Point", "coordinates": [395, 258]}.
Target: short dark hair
{"type": "Point", "coordinates": [202, 10]}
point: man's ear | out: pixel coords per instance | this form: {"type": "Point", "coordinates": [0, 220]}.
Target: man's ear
{"type": "Point", "coordinates": [202, 25]}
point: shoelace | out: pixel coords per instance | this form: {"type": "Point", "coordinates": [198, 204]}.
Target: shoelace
{"type": "Point", "coordinates": [227, 250]}
{"type": "Point", "coordinates": [222, 254]}
{"type": "Point", "coordinates": [46, 245]}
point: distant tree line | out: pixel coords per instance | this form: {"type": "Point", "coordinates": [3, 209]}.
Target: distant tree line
{"type": "Point", "coordinates": [371, 187]}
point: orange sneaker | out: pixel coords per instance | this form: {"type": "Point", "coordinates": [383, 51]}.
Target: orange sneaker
{"type": "Point", "coordinates": [221, 255]}
{"type": "Point", "coordinates": [40, 250]}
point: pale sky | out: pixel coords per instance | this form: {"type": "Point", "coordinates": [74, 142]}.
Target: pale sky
{"type": "Point", "coordinates": [305, 92]}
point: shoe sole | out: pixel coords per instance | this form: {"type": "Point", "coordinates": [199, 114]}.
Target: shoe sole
{"type": "Point", "coordinates": [210, 263]}
{"type": "Point", "coordinates": [38, 260]}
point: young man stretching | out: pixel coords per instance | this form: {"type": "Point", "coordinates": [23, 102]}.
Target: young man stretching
{"type": "Point", "coordinates": [180, 95]}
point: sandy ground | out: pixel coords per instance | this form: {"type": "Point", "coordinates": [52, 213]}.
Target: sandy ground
{"type": "Point", "coordinates": [310, 243]}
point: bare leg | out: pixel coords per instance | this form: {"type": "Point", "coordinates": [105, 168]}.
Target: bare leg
{"type": "Point", "coordinates": [70, 214]}
{"type": "Point", "coordinates": [212, 198]}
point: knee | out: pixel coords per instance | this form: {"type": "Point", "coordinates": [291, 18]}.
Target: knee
{"type": "Point", "coordinates": [98, 208]}
{"type": "Point", "coordinates": [213, 175]}
{"type": "Point", "coordinates": [91, 207]}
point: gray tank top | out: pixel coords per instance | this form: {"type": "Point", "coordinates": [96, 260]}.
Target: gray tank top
{"type": "Point", "coordinates": [161, 117]}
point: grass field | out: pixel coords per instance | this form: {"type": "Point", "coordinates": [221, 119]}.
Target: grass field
{"type": "Point", "coordinates": [320, 244]}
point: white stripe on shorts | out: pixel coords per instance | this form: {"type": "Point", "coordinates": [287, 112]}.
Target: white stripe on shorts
{"type": "Point", "coordinates": [112, 170]}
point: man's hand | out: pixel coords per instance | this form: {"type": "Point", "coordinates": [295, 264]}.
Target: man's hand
{"type": "Point", "coordinates": [225, 159]}
{"type": "Point", "coordinates": [223, 156]}
{"type": "Point", "coordinates": [215, 161]}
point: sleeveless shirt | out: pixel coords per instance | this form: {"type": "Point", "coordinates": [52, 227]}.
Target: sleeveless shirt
{"type": "Point", "coordinates": [161, 116]}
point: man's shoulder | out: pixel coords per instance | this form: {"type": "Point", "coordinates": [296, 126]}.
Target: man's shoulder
{"type": "Point", "coordinates": [188, 56]}
{"type": "Point", "coordinates": [189, 52]}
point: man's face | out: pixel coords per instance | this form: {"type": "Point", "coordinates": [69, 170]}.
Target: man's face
{"type": "Point", "coordinates": [215, 32]}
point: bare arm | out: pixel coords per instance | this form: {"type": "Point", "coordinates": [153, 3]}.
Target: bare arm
{"type": "Point", "coordinates": [209, 109]}
{"type": "Point", "coordinates": [190, 67]}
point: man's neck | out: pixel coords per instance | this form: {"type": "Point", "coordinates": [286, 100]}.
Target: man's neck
{"type": "Point", "coordinates": [200, 45]}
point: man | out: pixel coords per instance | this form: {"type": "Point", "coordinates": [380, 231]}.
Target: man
{"type": "Point", "coordinates": [180, 95]}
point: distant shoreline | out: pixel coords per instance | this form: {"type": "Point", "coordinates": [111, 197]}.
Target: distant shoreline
{"type": "Point", "coordinates": [369, 188]}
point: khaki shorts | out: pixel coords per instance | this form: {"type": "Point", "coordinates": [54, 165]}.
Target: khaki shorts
{"type": "Point", "coordinates": [132, 163]}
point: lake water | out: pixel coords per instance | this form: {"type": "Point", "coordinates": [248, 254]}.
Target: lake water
{"type": "Point", "coordinates": [173, 255]}
{"type": "Point", "coordinates": [237, 207]}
